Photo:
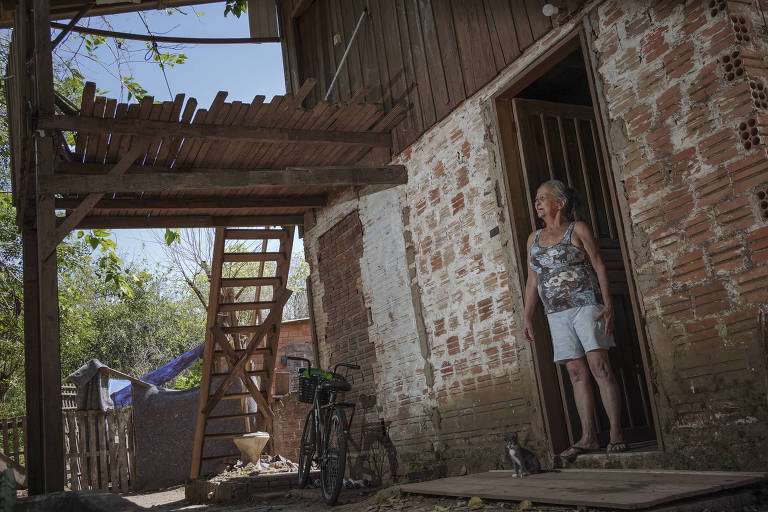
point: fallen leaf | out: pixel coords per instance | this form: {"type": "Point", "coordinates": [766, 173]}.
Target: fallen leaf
{"type": "Point", "coordinates": [526, 505]}
{"type": "Point", "coordinates": [441, 508]}
{"type": "Point", "coordinates": [475, 503]}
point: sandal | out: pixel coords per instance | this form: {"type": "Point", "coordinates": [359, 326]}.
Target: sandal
{"type": "Point", "coordinates": [617, 447]}
{"type": "Point", "coordinates": [575, 451]}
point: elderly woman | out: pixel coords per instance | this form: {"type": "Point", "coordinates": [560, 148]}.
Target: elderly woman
{"type": "Point", "coordinates": [565, 266]}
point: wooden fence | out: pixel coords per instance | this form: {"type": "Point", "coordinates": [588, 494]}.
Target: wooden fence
{"type": "Point", "coordinates": [99, 451]}
{"type": "Point", "coordinates": [13, 432]}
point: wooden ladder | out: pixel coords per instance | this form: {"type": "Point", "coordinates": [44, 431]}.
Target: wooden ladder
{"type": "Point", "coordinates": [234, 340]}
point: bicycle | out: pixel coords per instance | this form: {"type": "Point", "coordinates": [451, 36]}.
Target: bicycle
{"type": "Point", "coordinates": [326, 427]}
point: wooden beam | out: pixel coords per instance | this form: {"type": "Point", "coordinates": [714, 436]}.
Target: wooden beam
{"type": "Point", "coordinates": [165, 39]}
{"type": "Point", "coordinates": [301, 7]}
{"type": "Point", "coordinates": [47, 385]}
{"type": "Point", "coordinates": [66, 9]}
{"type": "Point", "coordinates": [187, 221]}
{"type": "Point", "coordinates": [226, 179]}
{"type": "Point", "coordinates": [210, 132]}
{"type": "Point", "coordinates": [73, 219]}
{"type": "Point", "coordinates": [200, 203]}
{"type": "Point", "coordinates": [66, 29]}
{"type": "Point", "coordinates": [208, 348]}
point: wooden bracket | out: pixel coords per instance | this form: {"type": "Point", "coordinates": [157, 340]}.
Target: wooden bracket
{"type": "Point", "coordinates": [73, 219]}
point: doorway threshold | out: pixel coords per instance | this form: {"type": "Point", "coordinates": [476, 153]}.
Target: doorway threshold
{"type": "Point", "coordinates": [624, 489]}
{"type": "Point", "coordinates": [638, 455]}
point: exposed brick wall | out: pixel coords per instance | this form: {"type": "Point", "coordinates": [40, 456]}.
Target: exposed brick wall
{"type": "Point", "coordinates": [451, 372]}
{"type": "Point", "coordinates": [345, 337]}
{"type": "Point", "coordinates": [678, 79]}
{"type": "Point", "coordinates": [296, 340]}
{"type": "Point", "coordinates": [288, 425]}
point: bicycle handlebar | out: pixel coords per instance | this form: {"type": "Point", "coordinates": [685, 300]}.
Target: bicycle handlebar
{"type": "Point", "coordinates": [353, 366]}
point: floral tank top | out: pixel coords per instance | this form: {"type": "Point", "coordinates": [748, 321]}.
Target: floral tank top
{"type": "Point", "coordinates": [566, 277]}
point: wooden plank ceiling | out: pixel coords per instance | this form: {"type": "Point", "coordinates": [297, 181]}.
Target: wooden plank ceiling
{"type": "Point", "coordinates": [170, 163]}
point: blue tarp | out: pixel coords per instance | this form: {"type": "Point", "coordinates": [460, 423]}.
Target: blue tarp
{"type": "Point", "coordinates": [161, 375]}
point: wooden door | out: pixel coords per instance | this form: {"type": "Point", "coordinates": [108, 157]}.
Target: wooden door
{"type": "Point", "coordinates": [559, 141]}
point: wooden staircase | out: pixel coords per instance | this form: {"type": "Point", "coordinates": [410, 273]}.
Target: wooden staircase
{"type": "Point", "coordinates": [241, 340]}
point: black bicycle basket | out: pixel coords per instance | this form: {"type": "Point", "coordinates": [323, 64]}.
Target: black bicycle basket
{"type": "Point", "coordinates": [307, 387]}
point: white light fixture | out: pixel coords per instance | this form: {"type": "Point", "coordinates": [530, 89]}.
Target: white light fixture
{"type": "Point", "coordinates": [549, 10]}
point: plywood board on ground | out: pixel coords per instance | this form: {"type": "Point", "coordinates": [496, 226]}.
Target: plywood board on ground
{"type": "Point", "coordinates": [621, 489]}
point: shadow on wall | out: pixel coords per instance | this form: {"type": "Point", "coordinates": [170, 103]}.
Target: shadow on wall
{"type": "Point", "coordinates": [372, 454]}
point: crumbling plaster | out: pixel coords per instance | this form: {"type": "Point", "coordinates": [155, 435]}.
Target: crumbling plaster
{"type": "Point", "coordinates": [443, 288]}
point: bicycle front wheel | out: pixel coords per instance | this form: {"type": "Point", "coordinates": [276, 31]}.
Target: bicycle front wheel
{"type": "Point", "coordinates": [334, 459]}
{"type": "Point", "coordinates": [307, 448]}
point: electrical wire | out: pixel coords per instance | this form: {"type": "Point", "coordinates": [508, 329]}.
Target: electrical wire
{"type": "Point", "coordinates": [157, 52]}
{"type": "Point", "coordinates": [765, 25]}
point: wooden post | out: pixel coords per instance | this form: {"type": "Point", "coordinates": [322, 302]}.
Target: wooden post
{"type": "Point", "coordinates": [34, 456]}
{"type": "Point", "coordinates": [210, 342]}
{"type": "Point", "coordinates": [43, 363]}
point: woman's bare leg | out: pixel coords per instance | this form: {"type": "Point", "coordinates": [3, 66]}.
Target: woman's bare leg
{"type": "Point", "coordinates": [585, 403]}
{"type": "Point", "coordinates": [600, 366]}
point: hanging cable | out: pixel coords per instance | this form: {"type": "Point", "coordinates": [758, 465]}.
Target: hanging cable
{"type": "Point", "coordinates": [157, 53]}
{"type": "Point", "coordinates": [765, 25]}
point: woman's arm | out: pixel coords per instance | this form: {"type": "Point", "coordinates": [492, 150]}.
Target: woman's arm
{"type": "Point", "coordinates": [583, 237]}
{"type": "Point", "coordinates": [531, 285]}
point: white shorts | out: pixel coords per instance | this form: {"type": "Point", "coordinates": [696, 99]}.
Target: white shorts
{"type": "Point", "coordinates": [575, 332]}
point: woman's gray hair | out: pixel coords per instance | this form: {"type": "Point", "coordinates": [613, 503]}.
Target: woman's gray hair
{"type": "Point", "coordinates": [572, 202]}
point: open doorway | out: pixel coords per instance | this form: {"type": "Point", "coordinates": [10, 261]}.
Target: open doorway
{"type": "Point", "coordinates": [549, 130]}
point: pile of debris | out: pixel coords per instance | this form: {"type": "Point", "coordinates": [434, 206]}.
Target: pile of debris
{"type": "Point", "coordinates": [267, 465]}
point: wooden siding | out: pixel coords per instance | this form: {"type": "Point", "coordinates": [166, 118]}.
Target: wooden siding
{"type": "Point", "coordinates": [428, 54]}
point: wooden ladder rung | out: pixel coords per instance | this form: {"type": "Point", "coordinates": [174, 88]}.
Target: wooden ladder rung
{"type": "Point", "coordinates": [249, 372]}
{"type": "Point", "coordinates": [224, 435]}
{"type": "Point", "coordinates": [221, 457]}
{"type": "Point", "coordinates": [247, 257]}
{"type": "Point", "coordinates": [233, 396]}
{"type": "Point", "coordinates": [239, 351]}
{"type": "Point", "coordinates": [240, 329]}
{"type": "Point", "coordinates": [254, 234]}
{"type": "Point", "coordinates": [232, 282]}
{"type": "Point", "coordinates": [234, 416]}
{"type": "Point", "coordinates": [246, 306]}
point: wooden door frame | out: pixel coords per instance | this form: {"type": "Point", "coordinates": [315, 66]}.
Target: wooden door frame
{"type": "Point", "coordinates": [552, 407]}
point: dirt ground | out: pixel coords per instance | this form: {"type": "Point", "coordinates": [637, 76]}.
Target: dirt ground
{"type": "Point", "coordinates": [390, 499]}
{"type": "Point", "coordinates": [350, 500]}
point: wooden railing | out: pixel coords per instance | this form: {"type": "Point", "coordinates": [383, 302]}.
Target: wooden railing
{"type": "Point", "coordinates": [13, 438]}
{"type": "Point", "coordinates": [99, 450]}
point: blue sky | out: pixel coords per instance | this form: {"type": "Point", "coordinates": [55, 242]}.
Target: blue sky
{"type": "Point", "coordinates": [243, 70]}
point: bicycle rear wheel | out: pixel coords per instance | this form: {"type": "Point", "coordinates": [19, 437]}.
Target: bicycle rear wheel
{"type": "Point", "coordinates": [307, 448]}
{"type": "Point", "coordinates": [334, 459]}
